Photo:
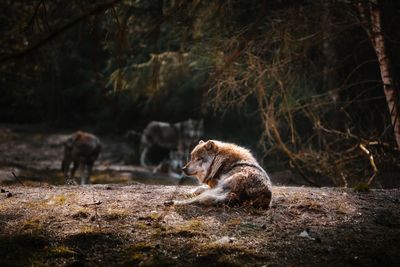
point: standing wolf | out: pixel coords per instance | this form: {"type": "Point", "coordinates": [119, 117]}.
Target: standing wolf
{"type": "Point", "coordinates": [231, 173]}
{"type": "Point", "coordinates": [179, 137]}
{"type": "Point", "coordinates": [82, 149]}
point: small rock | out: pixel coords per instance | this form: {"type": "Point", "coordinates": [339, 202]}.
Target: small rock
{"type": "Point", "coordinates": [264, 226]}
{"type": "Point", "coordinates": [354, 260]}
{"type": "Point", "coordinates": [2, 190]}
{"type": "Point", "coordinates": [225, 240]}
{"type": "Point", "coordinates": [8, 194]}
{"type": "Point", "coordinates": [306, 234]}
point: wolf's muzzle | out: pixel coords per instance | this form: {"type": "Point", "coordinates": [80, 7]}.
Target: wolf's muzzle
{"type": "Point", "coordinates": [184, 169]}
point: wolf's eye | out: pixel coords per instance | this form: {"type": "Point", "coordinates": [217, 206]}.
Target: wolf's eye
{"type": "Point", "coordinates": [200, 158]}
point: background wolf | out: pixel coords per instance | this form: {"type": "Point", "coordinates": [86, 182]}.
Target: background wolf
{"type": "Point", "coordinates": [82, 149]}
{"type": "Point", "coordinates": [179, 137]}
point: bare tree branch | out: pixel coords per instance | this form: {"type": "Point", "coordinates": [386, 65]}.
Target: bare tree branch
{"type": "Point", "coordinates": [59, 31]}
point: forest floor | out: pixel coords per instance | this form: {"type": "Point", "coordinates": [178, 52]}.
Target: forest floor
{"type": "Point", "coordinates": [121, 219]}
{"type": "Point", "coordinates": [128, 225]}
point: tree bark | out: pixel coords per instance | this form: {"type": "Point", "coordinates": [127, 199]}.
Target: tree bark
{"type": "Point", "coordinates": [372, 20]}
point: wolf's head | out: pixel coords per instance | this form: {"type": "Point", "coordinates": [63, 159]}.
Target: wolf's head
{"type": "Point", "coordinates": [201, 160]}
{"type": "Point", "coordinates": [210, 159]}
{"type": "Point", "coordinates": [190, 131]}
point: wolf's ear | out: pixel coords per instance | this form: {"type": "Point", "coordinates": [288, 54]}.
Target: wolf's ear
{"type": "Point", "coordinates": [201, 142]}
{"type": "Point", "coordinates": [210, 145]}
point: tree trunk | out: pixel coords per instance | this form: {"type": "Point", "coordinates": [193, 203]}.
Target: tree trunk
{"type": "Point", "coordinates": [371, 17]}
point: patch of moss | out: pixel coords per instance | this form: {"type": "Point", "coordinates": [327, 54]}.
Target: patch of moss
{"type": "Point", "coordinates": [115, 215]}
{"type": "Point", "coordinates": [233, 222]}
{"type": "Point", "coordinates": [88, 229]}
{"type": "Point", "coordinates": [362, 188]}
{"type": "Point", "coordinates": [192, 225]}
{"type": "Point", "coordinates": [61, 251]}
{"type": "Point", "coordinates": [140, 225]}
{"type": "Point", "coordinates": [81, 214]}
{"type": "Point", "coordinates": [159, 229]}
{"type": "Point", "coordinates": [139, 252]}
{"type": "Point", "coordinates": [188, 229]}
{"type": "Point", "coordinates": [138, 257]}
{"type": "Point", "coordinates": [58, 200]}
{"type": "Point", "coordinates": [32, 226]}
{"type": "Point", "coordinates": [152, 216]}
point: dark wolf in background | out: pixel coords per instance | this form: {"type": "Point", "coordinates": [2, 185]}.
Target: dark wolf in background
{"type": "Point", "coordinates": [82, 149]}
{"type": "Point", "coordinates": [179, 137]}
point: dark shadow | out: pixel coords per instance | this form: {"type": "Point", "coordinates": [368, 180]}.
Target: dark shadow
{"type": "Point", "coordinates": [96, 248]}
{"type": "Point", "coordinates": [22, 249]}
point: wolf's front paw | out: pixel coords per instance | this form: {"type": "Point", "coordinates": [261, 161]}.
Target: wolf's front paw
{"type": "Point", "coordinates": [200, 190]}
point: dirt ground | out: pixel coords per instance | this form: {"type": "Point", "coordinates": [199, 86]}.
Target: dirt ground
{"type": "Point", "coordinates": [121, 220]}
{"type": "Point", "coordinates": [116, 225]}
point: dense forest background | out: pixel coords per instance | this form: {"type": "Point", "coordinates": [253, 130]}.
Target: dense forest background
{"type": "Point", "coordinates": [300, 82]}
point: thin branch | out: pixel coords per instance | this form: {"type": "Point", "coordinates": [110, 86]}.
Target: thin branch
{"type": "Point", "coordinates": [18, 180]}
{"type": "Point", "coordinates": [59, 31]}
{"type": "Point", "coordinates": [30, 22]}
{"type": "Point", "coordinates": [372, 162]}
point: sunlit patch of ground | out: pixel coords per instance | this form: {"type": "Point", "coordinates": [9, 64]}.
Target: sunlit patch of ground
{"type": "Point", "coordinates": [129, 225]}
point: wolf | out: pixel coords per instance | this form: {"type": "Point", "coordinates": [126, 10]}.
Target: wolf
{"type": "Point", "coordinates": [82, 149]}
{"type": "Point", "coordinates": [231, 174]}
{"type": "Point", "coordinates": [179, 137]}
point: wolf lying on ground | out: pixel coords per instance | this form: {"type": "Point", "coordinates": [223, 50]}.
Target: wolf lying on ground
{"type": "Point", "coordinates": [232, 174]}
{"type": "Point", "coordinates": [82, 149]}
{"type": "Point", "coordinates": [179, 137]}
